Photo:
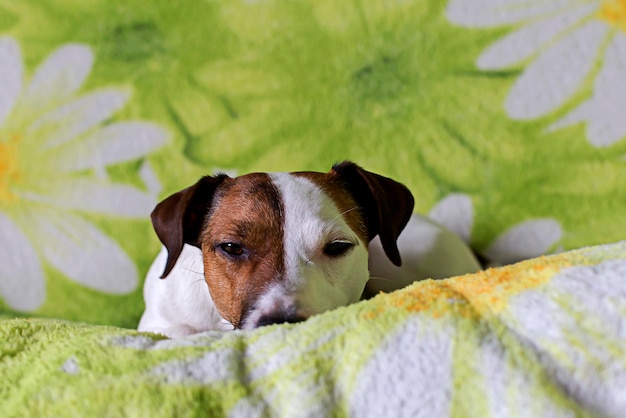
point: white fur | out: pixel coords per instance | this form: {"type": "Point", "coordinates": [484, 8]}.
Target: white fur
{"type": "Point", "coordinates": [181, 304]}
{"type": "Point", "coordinates": [313, 282]}
{"type": "Point", "coordinates": [428, 251]}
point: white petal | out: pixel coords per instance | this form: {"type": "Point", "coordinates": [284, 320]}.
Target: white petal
{"type": "Point", "coordinates": [96, 196]}
{"type": "Point", "coordinates": [557, 73]}
{"type": "Point", "coordinates": [490, 13]}
{"type": "Point", "coordinates": [58, 78]}
{"type": "Point", "coordinates": [526, 240]}
{"type": "Point", "coordinates": [610, 81]}
{"type": "Point", "coordinates": [115, 143]}
{"type": "Point", "coordinates": [580, 114]}
{"type": "Point", "coordinates": [605, 112]}
{"type": "Point", "coordinates": [10, 75]}
{"type": "Point", "coordinates": [609, 124]}
{"type": "Point", "coordinates": [528, 40]}
{"type": "Point", "coordinates": [150, 179]}
{"type": "Point", "coordinates": [22, 284]}
{"type": "Point", "coordinates": [419, 356]}
{"type": "Point", "coordinates": [82, 252]}
{"type": "Point", "coordinates": [455, 212]}
{"type": "Point", "coordinates": [69, 121]}
{"type": "Point", "coordinates": [576, 324]}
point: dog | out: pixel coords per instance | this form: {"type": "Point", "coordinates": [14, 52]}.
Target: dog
{"type": "Point", "coordinates": [270, 248]}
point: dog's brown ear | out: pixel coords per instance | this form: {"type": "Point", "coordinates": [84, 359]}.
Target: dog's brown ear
{"type": "Point", "coordinates": [386, 204]}
{"type": "Point", "coordinates": [179, 219]}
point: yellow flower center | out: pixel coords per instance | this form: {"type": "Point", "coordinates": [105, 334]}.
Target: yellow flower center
{"type": "Point", "coordinates": [614, 12]}
{"type": "Point", "coordinates": [9, 168]}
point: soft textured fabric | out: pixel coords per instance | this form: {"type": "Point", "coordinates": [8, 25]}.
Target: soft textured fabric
{"type": "Point", "coordinates": [505, 118]}
{"type": "Point", "coordinates": [542, 338]}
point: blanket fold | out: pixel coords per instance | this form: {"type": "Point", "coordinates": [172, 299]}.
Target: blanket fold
{"type": "Point", "coordinates": [543, 337]}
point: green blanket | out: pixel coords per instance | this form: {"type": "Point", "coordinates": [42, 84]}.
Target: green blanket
{"type": "Point", "coordinates": [505, 119]}
{"type": "Point", "coordinates": [541, 338]}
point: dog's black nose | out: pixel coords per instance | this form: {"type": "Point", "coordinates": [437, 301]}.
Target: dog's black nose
{"type": "Point", "coordinates": [278, 318]}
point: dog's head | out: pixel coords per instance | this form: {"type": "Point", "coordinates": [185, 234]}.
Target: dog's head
{"type": "Point", "coordinates": [280, 247]}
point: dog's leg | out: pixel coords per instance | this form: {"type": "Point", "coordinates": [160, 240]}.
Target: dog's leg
{"type": "Point", "coordinates": [428, 251]}
{"type": "Point", "coordinates": [180, 305]}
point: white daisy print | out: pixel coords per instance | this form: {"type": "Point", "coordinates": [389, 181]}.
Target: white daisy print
{"type": "Point", "coordinates": [55, 146]}
{"type": "Point", "coordinates": [525, 240]}
{"type": "Point", "coordinates": [568, 47]}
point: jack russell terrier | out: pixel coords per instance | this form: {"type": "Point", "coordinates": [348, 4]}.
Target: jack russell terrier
{"type": "Point", "coordinates": [268, 248]}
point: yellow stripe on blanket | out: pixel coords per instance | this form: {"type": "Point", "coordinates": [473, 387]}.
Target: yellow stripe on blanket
{"type": "Point", "coordinates": [477, 294]}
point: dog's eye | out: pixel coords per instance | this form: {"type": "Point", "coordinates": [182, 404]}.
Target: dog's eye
{"type": "Point", "coordinates": [231, 249]}
{"type": "Point", "coordinates": [337, 248]}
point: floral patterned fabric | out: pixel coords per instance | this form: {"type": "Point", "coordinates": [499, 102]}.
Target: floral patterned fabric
{"type": "Point", "coordinates": [504, 117]}
{"type": "Point", "coordinates": [542, 338]}
{"type": "Point", "coordinates": [562, 44]}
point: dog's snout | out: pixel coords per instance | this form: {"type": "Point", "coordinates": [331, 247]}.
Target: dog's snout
{"type": "Point", "coordinates": [278, 318]}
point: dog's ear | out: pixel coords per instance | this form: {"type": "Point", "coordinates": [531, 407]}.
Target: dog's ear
{"type": "Point", "coordinates": [179, 219]}
{"type": "Point", "coordinates": [386, 204]}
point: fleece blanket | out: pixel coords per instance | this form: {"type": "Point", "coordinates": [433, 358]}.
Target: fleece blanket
{"type": "Point", "coordinates": [542, 338]}
{"type": "Point", "coordinates": [505, 118]}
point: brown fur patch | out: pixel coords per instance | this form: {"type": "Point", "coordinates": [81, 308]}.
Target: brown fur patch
{"type": "Point", "coordinates": [246, 211]}
{"type": "Point", "coordinates": [332, 186]}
